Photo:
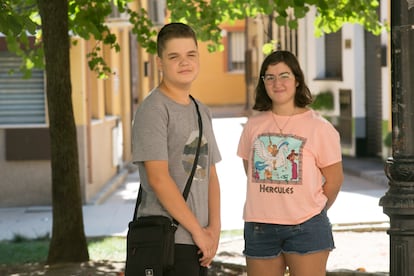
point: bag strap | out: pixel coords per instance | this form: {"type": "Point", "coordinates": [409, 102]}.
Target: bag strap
{"type": "Point", "coordinates": [200, 135]}
{"type": "Point", "coordinates": [191, 176]}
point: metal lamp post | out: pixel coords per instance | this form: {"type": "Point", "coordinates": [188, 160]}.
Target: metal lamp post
{"type": "Point", "coordinates": [398, 202]}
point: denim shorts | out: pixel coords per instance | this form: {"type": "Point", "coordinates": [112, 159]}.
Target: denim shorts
{"type": "Point", "coordinates": [264, 240]}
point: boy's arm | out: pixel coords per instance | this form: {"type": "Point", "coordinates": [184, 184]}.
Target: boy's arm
{"type": "Point", "coordinates": [214, 201]}
{"type": "Point", "coordinates": [172, 200]}
{"type": "Point", "coordinates": [214, 217]}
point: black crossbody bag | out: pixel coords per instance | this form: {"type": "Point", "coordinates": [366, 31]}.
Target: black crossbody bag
{"type": "Point", "coordinates": [151, 239]}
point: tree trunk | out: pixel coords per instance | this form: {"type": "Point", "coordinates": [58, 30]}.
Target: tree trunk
{"type": "Point", "coordinates": [68, 243]}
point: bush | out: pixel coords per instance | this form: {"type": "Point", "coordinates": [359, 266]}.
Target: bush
{"type": "Point", "coordinates": [323, 101]}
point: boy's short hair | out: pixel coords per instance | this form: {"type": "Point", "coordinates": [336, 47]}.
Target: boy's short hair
{"type": "Point", "coordinates": [173, 30]}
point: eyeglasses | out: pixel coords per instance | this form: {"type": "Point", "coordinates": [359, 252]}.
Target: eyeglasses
{"type": "Point", "coordinates": [282, 78]}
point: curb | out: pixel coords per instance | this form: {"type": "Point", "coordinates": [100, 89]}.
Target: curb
{"type": "Point", "coordinates": [109, 188]}
{"type": "Point", "coordinates": [361, 227]}
{"type": "Point", "coordinates": [222, 268]}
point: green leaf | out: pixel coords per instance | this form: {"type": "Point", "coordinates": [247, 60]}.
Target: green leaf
{"type": "Point", "coordinates": [280, 20]}
{"type": "Point", "coordinates": [269, 47]}
{"type": "Point", "coordinates": [293, 24]}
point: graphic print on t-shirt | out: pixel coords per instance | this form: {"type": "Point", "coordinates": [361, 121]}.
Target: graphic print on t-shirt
{"type": "Point", "coordinates": [190, 149]}
{"type": "Point", "coordinates": [277, 158]}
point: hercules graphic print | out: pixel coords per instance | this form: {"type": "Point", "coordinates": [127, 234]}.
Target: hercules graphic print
{"type": "Point", "coordinates": [277, 159]}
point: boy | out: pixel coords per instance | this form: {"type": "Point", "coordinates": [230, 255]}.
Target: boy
{"type": "Point", "coordinates": [165, 129]}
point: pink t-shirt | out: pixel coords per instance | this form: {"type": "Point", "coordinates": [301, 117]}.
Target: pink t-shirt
{"type": "Point", "coordinates": [284, 181]}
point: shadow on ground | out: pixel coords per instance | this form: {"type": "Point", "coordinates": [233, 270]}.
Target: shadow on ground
{"type": "Point", "coordinates": [114, 268]}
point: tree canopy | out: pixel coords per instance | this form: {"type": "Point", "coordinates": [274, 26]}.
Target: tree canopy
{"type": "Point", "coordinates": [19, 19]}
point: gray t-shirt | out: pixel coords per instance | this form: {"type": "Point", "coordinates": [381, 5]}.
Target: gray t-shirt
{"type": "Point", "coordinates": [166, 130]}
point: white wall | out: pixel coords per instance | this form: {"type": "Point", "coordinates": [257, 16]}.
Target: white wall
{"type": "Point", "coordinates": [311, 55]}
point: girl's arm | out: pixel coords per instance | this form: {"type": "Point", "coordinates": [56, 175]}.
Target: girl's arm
{"type": "Point", "coordinates": [333, 181]}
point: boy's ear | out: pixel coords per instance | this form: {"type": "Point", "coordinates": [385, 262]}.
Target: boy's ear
{"type": "Point", "coordinates": [159, 63]}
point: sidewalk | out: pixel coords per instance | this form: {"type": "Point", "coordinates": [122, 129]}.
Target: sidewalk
{"type": "Point", "coordinates": [358, 221]}
{"type": "Point", "coordinates": [371, 169]}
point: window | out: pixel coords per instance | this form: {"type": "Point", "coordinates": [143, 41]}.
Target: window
{"type": "Point", "coordinates": [333, 55]}
{"type": "Point", "coordinates": [22, 101]}
{"type": "Point", "coordinates": [156, 11]}
{"type": "Point", "coordinates": [236, 49]}
{"type": "Point", "coordinates": [115, 14]}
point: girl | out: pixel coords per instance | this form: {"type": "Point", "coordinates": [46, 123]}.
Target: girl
{"type": "Point", "coordinates": [292, 159]}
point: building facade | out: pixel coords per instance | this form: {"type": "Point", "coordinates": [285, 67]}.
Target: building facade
{"type": "Point", "coordinates": [103, 109]}
{"type": "Point", "coordinates": [351, 65]}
